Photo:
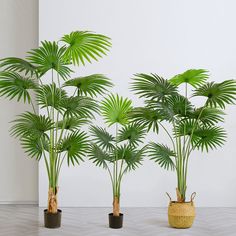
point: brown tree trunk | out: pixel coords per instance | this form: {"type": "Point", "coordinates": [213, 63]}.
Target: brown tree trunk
{"type": "Point", "coordinates": [116, 206]}
{"type": "Point", "coordinates": [179, 196]}
{"type": "Point", "coordinates": [52, 201]}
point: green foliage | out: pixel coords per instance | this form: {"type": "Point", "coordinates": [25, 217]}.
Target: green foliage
{"type": "Point", "coordinates": [13, 85]}
{"type": "Point", "coordinates": [75, 145]}
{"type": "Point", "coordinates": [50, 96]}
{"type": "Point", "coordinates": [50, 56]}
{"type": "Point", "coordinates": [82, 46]}
{"type": "Point", "coordinates": [152, 86]}
{"type": "Point", "coordinates": [218, 94]}
{"type": "Point", "coordinates": [34, 146]}
{"type": "Point", "coordinates": [146, 117]}
{"type": "Point", "coordinates": [102, 138]}
{"type": "Point", "coordinates": [71, 123]}
{"type": "Point", "coordinates": [80, 107]}
{"type": "Point", "coordinates": [115, 109]}
{"type": "Point", "coordinates": [98, 156]}
{"type": "Point", "coordinates": [31, 124]}
{"type": "Point", "coordinates": [162, 155]}
{"type": "Point", "coordinates": [194, 77]}
{"type": "Point", "coordinates": [91, 85]}
{"type": "Point", "coordinates": [18, 65]}
{"type": "Point", "coordinates": [205, 138]}
{"type": "Point", "coordinates": [207, 115]}
{"type": "Point", "coordinates": [133, 133]}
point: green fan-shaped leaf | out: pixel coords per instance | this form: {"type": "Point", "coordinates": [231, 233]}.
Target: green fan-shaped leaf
{"type": "Point", "coordinates": [133, 133]}
{"type": "Point", "coordinates": [162, 155]}
{"type": "Point", "coordinates": [13, 85]}
{"type": "Point", "coordinates": [31, 124]}
{"type": "Point", "coordinates": [18, 65]}
{"type": "Point", "coordinates": [49, 95]}
{"type": "Point", "coordinates": [152, 86]}
{"type": "Point", "coordinates": [90, 85]}
{"type": "Point", "coordinates": [76, 146]}
{"type": "Point", "coordinates": [145, 117]}
{"type": "Point", "coordinates": [34, 146]}
{"type": "Point", "coordinates": [83, 107]}
{"type": "Point", "coordinates": [82, 46]}
{"type": "Point", "coordinates": [102, 138]}
{"type": "Point", "coordinates": [132, 156]}
{"type": "Point", "coordinates": [115, 109]}
{"type": "Point", "coordinates": [98, 156]}
{"type": "Point", "coordinates": [50, 56]}
{"type": "Point", "coordinates": [218, 94]}
{"type": "Point", "coordinates": [210, 137]}
{"type": "Point", "coordinates": [186, 127]}
{"type": "Point", "coordinates": [207, 115]}
{"type": "Point", "coordinates": [194, 77]}
{"type": "Point", "coordinates": [71, 123]}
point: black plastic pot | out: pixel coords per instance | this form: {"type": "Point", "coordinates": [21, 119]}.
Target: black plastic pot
{"type": "Point", "coordinates": [115, 222]}
{"type": "Point", "coordinates": [52, 220]}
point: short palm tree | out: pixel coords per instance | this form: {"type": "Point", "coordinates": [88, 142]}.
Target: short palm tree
{"type": "Point", "coordinates": [121, 152]}
{"type": "Point", "coordinates": [55, 135]}
{"type": "Point", "coordinates": [191, 127]}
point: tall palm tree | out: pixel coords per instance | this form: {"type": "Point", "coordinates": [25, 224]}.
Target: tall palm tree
{"type": "Point", "coordinates": [191, 127]}
{"type": "Point", "coordinates": [121, 152]}
{"type": "Point", "coordinates": [55, 135]}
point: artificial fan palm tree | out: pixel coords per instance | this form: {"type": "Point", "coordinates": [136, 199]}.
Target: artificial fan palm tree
{"type": "Point", "coordinates": [192, 127]}
{"type": "Point", "coordinates": [121, 152]}
{"type": "Point", "coordinates": [56, 135]}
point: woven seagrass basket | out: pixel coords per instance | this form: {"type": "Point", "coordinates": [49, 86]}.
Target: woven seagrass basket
{"type": "Point", "coordinates": [181, 214]}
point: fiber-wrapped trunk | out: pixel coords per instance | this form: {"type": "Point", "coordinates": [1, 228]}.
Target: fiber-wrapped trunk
{"type": "Point", "coordinates": [180, 198]}
{"type": "Point", "coordinates": [116, 206]}
{"type": "Point", "coordinates": [52, 200]}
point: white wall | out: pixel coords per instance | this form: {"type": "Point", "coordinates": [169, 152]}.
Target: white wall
{"type": "Point", "coordinates": [19, 33]}
{"type": "Point", "coordinates": [164, 37]}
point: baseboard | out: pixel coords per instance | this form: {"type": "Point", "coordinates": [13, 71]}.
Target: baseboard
{"type": "Point", "coordinates": [18, 202]}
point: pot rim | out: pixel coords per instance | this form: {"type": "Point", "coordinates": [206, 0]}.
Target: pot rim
{"type": "Point", "coordinates": [59, 211]}
{"type": "Point", "coordinates": [182, 202]}
{"type": "Point", "coordinates": [111, 214]}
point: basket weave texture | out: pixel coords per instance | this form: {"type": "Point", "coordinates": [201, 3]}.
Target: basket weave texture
{"type": "Point", "coordinates": [181, 214]}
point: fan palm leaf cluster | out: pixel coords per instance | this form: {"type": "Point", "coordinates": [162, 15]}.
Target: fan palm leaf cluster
{"type": "Point", "coordinates": [117, 152]}
{"type": "Point", "coordinates": [192, 127]}
{"type": "Point", "coordinates": [57, 134]}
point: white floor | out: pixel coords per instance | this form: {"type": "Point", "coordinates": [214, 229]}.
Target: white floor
{"type": "Point", "coordinates": [26, 220]}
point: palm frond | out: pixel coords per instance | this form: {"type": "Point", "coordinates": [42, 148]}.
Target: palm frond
{"type": "Point", "coordinates": [133, 133]}
{"type": "Point", "coordinates": [34, 146]}
{"type": "Point", "coordinates": [115, 109]}
{"type": "Point", "coordinates": [75, 145]}
{"type": "Point", "coordinates": [210, 137]}
{"type": "Point", "coordinates": [152, 86]}
{"type": "Point", "coordinates": [18, 65]}
{"type": "Point", "coordinates": [90, 85]}
{"type": "Point", "coordinates": [13, 85]}
{"type": "Point", "coordinates": [49, 56]}
{"type": "Point", "coordinates": [218, 94]}
{"type": "Point", "coordinates": [102, 138]}
{"type": "Point", "coordinates": [82, 107]}
{"type": "Point", "coordinates": [31, 124]}
{"type": "Point", "coordinates": [132, 156]}
{"type": "Point", "coordinates": [50, 96]}
{"type": "Point", "coordinates": [207, 115]}
{"type": "Point", "coordinates": [82, 46]}
{"type": "Point", "coordinates": [98, 156]}
{"type": "Point", "coordinates": [162, 155]}
{"type": "Point", "coordinates": [145, 117]}
{"type": "Point", "coordinates": [186, 127]}
{"type": "Point", "coordinates": [194, 77]}
{"type": "Point", "coordinates": [71, 123]}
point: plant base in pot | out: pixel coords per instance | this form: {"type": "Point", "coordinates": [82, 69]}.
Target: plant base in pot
{"type": "Point", "coordinates": [52, 220]}
{"type": "Point", "coordinates": [181, 215]}
{"type": "Point", "coordinates": [115, 222]}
